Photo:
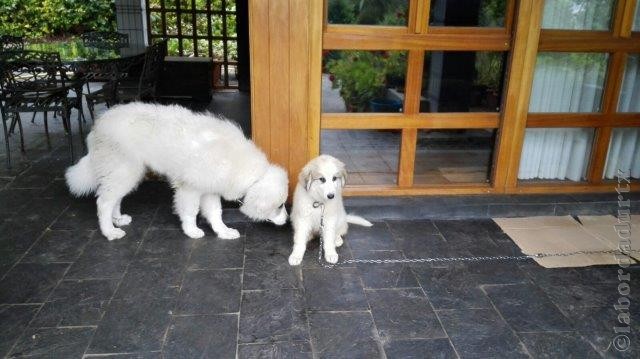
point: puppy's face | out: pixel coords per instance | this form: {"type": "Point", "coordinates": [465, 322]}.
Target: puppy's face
{"type": "Point", "coordinates": [265, 199]}
{"type": "Point", "coordinates": [323, 178]}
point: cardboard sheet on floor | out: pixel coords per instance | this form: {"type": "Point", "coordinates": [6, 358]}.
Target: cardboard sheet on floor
{"type": "Point", "coordinates": [559, 234]}
{"type": "Point", "coordinates": [604, 228]}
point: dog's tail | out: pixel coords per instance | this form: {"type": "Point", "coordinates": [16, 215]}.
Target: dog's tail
{"type": "Point", "coordinates": [358, 220]}
{"type": "Point", "coordinates": [80, 178]}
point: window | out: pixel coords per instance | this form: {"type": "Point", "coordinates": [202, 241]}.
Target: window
{"type": "Point", "coordinates": [389, 12]}
{"type": "Point", "coordinates": [485, 13]}
{"type": "Point", "coordinates": [577, 14]}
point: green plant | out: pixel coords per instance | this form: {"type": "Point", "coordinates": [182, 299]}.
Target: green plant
{"type": "Point", "coordinates": [488, 70]}
{"type": "Point", "coordinates": [55, 18]}
{"type": "Point", "coordinates": [362, 76]}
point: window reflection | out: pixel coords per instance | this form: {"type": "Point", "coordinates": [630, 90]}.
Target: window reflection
{"type": "Point", "coordinates": [368, 12]}
{"type": "Point", "coordinates": [462, 81]}
{"type": "Point", "coordinates": [487, 13]}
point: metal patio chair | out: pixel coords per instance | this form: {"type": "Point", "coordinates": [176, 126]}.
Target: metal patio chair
{"type": "Point", "coordinates": [105, 39]}
{"type": "Point", "coordinates": [35, 81]}
{"type": "Point", "coordinates": [11, 43]}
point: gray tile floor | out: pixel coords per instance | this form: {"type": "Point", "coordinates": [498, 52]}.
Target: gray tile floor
{"type": "Point", "coordinates": [66, 292]}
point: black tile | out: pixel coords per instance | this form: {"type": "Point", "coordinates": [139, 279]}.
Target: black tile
{"type": "Point", "coordinates": [57, 189]}
{"type": "Point", "coordinates": [140, 355]}
{"type": "Point", "coordinates": [15, 199]}
{"type": "Point", "coordinates": [594, 295]}
{"type": "Point", "coordinates": [132, 326]}
{"type": "Point", "coordinates": [103, 259]}
{"type": "Point", "coordinates": [546, 277]}
{"type": "Point", "coordinates": [210, 336]}
{"type": "Point", "coordinates": [558, 345]}
{"type": "Point", "coordinates": [505, 345]}
{"type": "Point", "coordinates": [344, 335]}
{"type": "Point", "coordinates": [76, 303]}
{"type": "Point", "coordinates": [211, 244]}
{"type": "Point", "coordinates": [79, 215]}
{"type": "Point", "coordinates": [269, 237]}
{"type": "Point", "coordinates": [210, 292]}
{"type": "Point", "coordinates": [18, 234]}
{"type": "Point", "coordinates": [403, 314]}
{"type": "Point", "coordinates": [526, 308]}
{"type": "Point", "coordinates": [473, 323]}
{"type": "Point", "coordinates": [7, 260]}
{"type": "Point", "coordinates": [166, 219]}
{"type": "Point", "coordinates": [30, 282]}
{"type": "Point", "coordinates": [281, 350]}
{"type": "Point", "coordinates": [612, 345]}
{"type": "Point", "coordinates": [586, 208]}
{"type": "Point", "coordinates": [521, 210]}
{"type": "Point", "coordinates": [58, 246]}
{"type": "Point", "coordinates": [53, 343]}
{"type": "Point", "coordinates": [600, 319]}
{"type": "Point", "coordinates": [151, 278]}
{"type": "Point", "coordinates": [376, 237]}
{"type": "Point", "coordinates": [272, 316]}
{"type": "Point", "coordinates": [449, 289]}
{"type": "Point", "coordinates": [454, 211]}
{"type": "Point", "coordinates": [30, 181]}
{"type": "Point", "coordinates": [166, 244]}
{"type": "Point", "coordinates": [420, 349]}
{"type": "Point", "coordinates": [334, 289]}
{"type": "Point", "coordinates": [269, 270]}
{"type": "Point", "coordinates": [14, 319]}
{"type": "Point", "coordinates": [385, 275]}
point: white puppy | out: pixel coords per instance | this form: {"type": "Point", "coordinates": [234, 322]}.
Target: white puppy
{"type": "Point", "coordinates": [318, 195]}
{"type": "Point", "coordinates": [204, 158]}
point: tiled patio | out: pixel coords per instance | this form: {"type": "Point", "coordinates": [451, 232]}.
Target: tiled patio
{"type": "Point", "coordinates": [66, 292]}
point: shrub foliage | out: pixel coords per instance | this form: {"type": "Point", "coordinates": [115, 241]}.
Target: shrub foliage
{"type": "Point", "coordinates": [55, 18]}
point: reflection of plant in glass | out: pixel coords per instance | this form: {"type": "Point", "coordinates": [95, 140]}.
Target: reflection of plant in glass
{"type": "Point", "coordinates": [369, 12]}
{"type": "Point", "coordinates": [362, 75]}
{"type": "Point", "coordinates": [492, 13]}
{"type": "Point", "coordinates": [489, 70]}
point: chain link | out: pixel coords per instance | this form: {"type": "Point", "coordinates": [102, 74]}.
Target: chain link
{"type": "Point", "coordinates": [454, 259]}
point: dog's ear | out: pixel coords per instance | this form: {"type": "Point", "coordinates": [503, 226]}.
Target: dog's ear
{"type": "Point", "coordinates": [342, 171]}
{"type": "Point", "coordinates": [306, 176]}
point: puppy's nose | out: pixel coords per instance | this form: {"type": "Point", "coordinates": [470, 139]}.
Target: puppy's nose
{"type": "Point", "coordinates": [330, 195]}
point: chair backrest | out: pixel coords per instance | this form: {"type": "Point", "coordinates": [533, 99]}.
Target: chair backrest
{"type": "Point", "coordinates": [105, 39]}
{"type": "Point", "coordinates": [152, 68]}
{"type": "Point", "coordinates": [22, 71]}
{"type": "Point", "coordinates": [11, 43]}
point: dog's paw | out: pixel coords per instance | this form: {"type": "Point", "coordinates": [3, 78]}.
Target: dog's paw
{"type": "Point", "coordinates": [339, 241]}
{"type": "Point", "coordinates": [193, 232]}
{"type": "Point", "coordinates": [115, 233]}
{"type": "Point", "coordinates": [228, 233]}
{"type": "Point", "coordinates": [331, 258]}
{"type": "Point", "coordinates": [295, 259]}
{"type": "Point", "coordinates": [123, 220]}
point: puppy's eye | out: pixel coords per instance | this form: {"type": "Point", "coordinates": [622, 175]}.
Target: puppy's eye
{"type": "Point", "coordinates": [322, 179]}
{"type": "Point", "coordinates": [334, 178]}
{"type": "Point", "coordinates": [282, 205]}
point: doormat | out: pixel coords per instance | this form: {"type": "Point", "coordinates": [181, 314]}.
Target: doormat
{"type": "Point", "coordinates": [563, 234]}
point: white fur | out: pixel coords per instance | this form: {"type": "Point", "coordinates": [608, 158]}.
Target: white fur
{"type": "Point", "coordinates": [203, 156]}
{"type": "Point", "coordinates": [305, 218]}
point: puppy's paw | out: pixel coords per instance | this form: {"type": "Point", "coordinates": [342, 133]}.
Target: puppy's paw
{"type": "Point", "coordinates": [331, 257]}
{"type": "Point", "coordinates": [295, 259]}
{"type": "Point", "coordinates": [228, 233]}
{"type": "Point", "coordinates": [339, 241]}
{"type": "Point", "coordinates": [193, 232]}
{"type": "Point", "coordinates": [123, 220]}
{"type": "Point", "coordinates": [115, 233]}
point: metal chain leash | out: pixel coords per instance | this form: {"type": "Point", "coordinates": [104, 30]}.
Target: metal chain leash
{"type": "Point", "coordinates": [454, 259]}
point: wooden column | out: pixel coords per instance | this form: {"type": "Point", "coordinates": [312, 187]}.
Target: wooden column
{"type": "Point", "coordinates": [279, 35]}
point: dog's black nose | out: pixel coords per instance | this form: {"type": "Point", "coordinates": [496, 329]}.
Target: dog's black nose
{"type": "Point", "coordinates": [330, 195]}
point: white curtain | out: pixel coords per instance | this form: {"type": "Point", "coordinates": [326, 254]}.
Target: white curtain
{"type": "Point", "coordinates": [555, 153]}
{"type": "Point", "coordinates": [624, 153]}
{"type": "Point", "coordinates": [630, 91]}
{"type": "Point", "coordinates": [577, 14]}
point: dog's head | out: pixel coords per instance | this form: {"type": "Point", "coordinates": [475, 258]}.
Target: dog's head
{"type": "Point", "coordinates": [323, 178]}
{"type": "Point", "coordinates": [265, 199]}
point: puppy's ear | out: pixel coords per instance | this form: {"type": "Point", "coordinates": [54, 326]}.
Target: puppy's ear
{"type": "Point", "coordinates": [342, 171]}
{"type": "Point", "coordinates": [306, 176]}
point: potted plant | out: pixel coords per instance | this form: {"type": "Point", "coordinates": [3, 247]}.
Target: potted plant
{"type": "Point", "coordinates": [362, 79]}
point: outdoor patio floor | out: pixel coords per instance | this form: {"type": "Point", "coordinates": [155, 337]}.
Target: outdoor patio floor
{"type": "Point", "coordinates": [67, 292]}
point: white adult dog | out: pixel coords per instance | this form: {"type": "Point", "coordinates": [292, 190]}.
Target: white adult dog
{"type": "Point", "coordinates": [203, 157]}
{"type": "Point", "coordinates": [318, 200]}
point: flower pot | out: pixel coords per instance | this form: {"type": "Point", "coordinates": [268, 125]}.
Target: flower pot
{"type": "Point", "coordinates": [385, 105]}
